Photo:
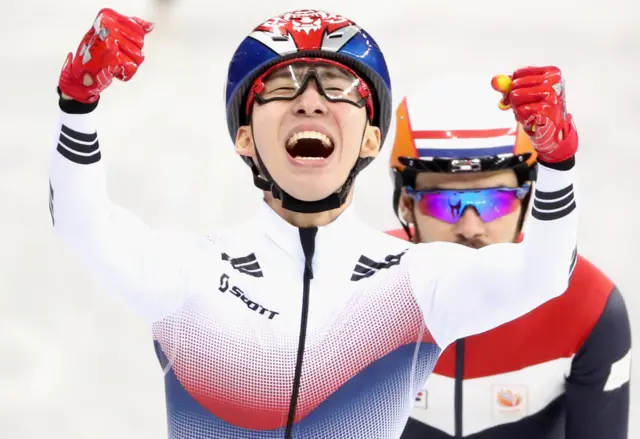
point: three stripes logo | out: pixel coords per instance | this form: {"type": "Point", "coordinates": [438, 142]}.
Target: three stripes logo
{"type": "Point", "coordinates": [574, 260]}
{"type": "Point", "coordinates": [246, 264]}
{"type": "Point", "coordinates": [80, 148]}
{"type": "Point", "coordinates": [53, 220]}
{"type": "Point", "coordinates": [367, 267]}
{"type": "Point", "coordinates": [549, 206]}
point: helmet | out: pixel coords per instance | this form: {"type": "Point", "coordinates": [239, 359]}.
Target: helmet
{"type": "Point", "coordinates": [454, 125]}
{"type": "Point", "coordinates": [306, 34]}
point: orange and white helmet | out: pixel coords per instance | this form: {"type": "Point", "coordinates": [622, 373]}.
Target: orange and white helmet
{"type": "Point", "coordinates": [454, 125]}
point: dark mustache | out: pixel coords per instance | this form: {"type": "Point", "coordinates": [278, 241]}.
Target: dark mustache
{"type": "Point", "coordinates": [471, 243]}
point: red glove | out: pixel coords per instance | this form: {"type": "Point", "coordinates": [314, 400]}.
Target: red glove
{"type": "Point", "coordinates": [537, 97]}
{"type": "Point", "coordinates": [111, 49]}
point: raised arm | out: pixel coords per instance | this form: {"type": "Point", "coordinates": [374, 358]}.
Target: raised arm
{"type": "Point", "coordinates": [464, 291]}
{"type": "Point", "coordinates": [149, 270]}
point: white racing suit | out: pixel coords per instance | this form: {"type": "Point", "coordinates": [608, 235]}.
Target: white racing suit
{"type": "Point", "coordinates": [270, 331]}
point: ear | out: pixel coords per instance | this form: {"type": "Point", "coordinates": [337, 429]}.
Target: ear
{"type": "Point", "coordinates": [370, 142]}
{"type": "Point", "coordinates": [244, 142]}
{"type": "Point", "coordinates": [406, 208]}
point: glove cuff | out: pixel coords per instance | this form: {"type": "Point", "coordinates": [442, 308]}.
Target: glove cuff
{"type": "Point", "coordinates": [564, 165]}
{"type": "Point", "coordinates": [75, 107]}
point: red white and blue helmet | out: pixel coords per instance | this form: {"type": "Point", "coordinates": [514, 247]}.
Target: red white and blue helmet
{"type": "Point", "coordinates": [454, 125]}
{"type": "Point", "coordinates": [308, 34]}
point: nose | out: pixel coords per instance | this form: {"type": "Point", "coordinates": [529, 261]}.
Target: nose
{"type": "Point", "coordinates": [470, 225]}
{"type": "Point", "coordinates": [310, 102]}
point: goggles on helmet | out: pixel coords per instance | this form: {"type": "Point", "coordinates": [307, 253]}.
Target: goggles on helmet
{"type": "Point", "coordinates": [448, 205]}
{"type": "Point", "coordinates": [288, 80]}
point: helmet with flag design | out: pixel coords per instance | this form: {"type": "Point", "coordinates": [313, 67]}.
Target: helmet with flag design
{"type": "Point", "coordinates": [307, 36]}
{"type": "Point", "coordinates": [454, 125]}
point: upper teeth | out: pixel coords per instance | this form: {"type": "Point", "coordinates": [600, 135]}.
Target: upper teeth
{"type": "Point", "coordinates": [309, 135]}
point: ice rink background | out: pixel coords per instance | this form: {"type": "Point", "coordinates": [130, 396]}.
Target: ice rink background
{"type": "Point", "coordinates": [74, 364]}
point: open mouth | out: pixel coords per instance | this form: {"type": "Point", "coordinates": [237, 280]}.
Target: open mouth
{"type": "Point", "coordinates": [309, 145]}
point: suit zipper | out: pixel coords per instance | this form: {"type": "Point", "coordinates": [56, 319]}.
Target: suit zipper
{"type": "Point", "coordinates": [308, 241]}
{"type": "Point", "coordinates": [458, 387]}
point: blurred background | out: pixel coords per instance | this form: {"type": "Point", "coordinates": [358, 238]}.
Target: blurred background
{"type": "Point", "coordinates": [74, 364]}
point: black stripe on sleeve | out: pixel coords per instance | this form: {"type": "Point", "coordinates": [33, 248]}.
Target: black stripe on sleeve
{"type": "Point", "coordinates": [53, 218]}
{"type": "Point", "coordinates": [78, 136]}
{"type": "Point", "coordinates": [555, 195]}
{"type": "Point", "coordinates": [574, 260]}
{"type": "Point", "coordinates": [80, 148]}
{"type": "Point", "coordinates": [549, 206]}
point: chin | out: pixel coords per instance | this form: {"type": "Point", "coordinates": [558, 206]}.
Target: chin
{"type": "Point", "coordinates": [309, 193]}
{"type": "Point", "coordinates": [310, 188]}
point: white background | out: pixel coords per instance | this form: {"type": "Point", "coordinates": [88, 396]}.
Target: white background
{"type": "Point", "coordinates": [74, 364]}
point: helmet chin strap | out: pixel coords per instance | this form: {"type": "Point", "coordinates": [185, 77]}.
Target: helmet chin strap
{"type": "Point", "coordinates": [263, 180]}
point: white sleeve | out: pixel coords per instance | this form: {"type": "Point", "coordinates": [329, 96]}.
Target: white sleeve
{"type": "Point", "coordinates": [463, 291]}
{"type": "Point", "coordinates": [150, 270]}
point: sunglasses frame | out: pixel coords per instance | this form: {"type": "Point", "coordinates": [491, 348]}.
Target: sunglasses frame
{"type": "Point", "coordinates": [259, 84]}
{"type": "Point", "coordinates": [418, 195]}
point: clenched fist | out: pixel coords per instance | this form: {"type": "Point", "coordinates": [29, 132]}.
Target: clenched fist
{"type": "Point", "coordinates": [112, 48]}
{"type": "Point", "coordinates": [537, 97]}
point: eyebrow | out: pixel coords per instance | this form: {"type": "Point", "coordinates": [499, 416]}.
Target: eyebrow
{"type": "Point", "coordinates": [435, 187]}
{"type": "Point", "coordinates": [442, 187]}
{"type": "Point", "coordinates": [326, 72]}
{"type": "Point", "coordinates": [279, 74]}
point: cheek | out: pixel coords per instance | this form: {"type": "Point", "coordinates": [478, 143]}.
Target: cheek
{"type": "Point", "coordinates": [265, 124]}
{"type": "Point", "coordinates": [503, 229]}
{"type": "Point", "coordinates": [352, 121]}
{"type": "Point", "coordinates": [432, 229]}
